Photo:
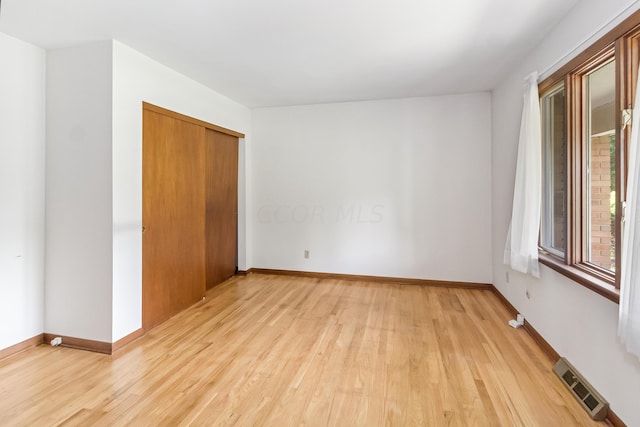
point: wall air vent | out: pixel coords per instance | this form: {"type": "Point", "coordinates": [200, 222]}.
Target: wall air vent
{"type": "Point", "coordinates": [590, 399]}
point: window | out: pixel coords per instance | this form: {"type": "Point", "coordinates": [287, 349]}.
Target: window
{"type": "Point", "coordinates": [600, 153]}
{"type": "Point", "coordinates": [554, 174]}
{"type": "Point", "coordinates": [585, 107]}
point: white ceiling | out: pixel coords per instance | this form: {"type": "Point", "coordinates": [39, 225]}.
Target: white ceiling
{"type": "Point", "coordinates": [291, 52]}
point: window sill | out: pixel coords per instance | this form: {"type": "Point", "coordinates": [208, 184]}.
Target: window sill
{"type": "Point", "coordinates": [595, 284]}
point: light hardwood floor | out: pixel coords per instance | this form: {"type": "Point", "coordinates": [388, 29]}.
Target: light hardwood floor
{"type": "Point", "coordinates": [282, 351]}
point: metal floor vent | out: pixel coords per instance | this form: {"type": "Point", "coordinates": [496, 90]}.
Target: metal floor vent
{"type": "Point", "coordinates": [590, 399]}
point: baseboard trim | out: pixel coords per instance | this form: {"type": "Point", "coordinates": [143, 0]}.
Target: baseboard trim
{"type": "Point", "coordinates": [542, 343]}
{"type": "Point", "coordinates": [81, 343]}
{"type": "Point", "coordinates": [377, 279]}
{"type": "Point", "coordinates": [612, 419]}
{"type": "Point", "coordinates": [118, 345]}
{"type": "Point", "coordinates": [551, 353]}
{"type": "Point", "coordinates": [21, 346]}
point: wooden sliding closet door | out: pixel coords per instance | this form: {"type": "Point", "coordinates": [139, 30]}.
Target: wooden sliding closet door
{"type": "Point", "coordinates": [222, 206]}
{"type": "Point", "coordinates": [174, 202]}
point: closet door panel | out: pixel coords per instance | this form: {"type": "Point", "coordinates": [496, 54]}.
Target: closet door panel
{"type": "Point", "coordinates": [222, 206]}
{"type": "Point", "coordinates": [173, 248]}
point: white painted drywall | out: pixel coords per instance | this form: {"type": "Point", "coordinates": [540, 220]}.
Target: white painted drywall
{"type": "Point", "coordinates": [22, 142]}
{"type": "Point", "coordinates": [395, 188]}
{"type": "Point", "coordinates": [78, 192]}
{"type": "Point", "coordinates": [137, 78]}
{"type": "Point", "coordinates": [578, 323]}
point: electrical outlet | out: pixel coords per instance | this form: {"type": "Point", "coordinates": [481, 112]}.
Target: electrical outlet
{"type": "Point", "coordinates": [56, 341]}
{"type": "Point", "coordinates": [506, 276]}
{"type": "Point", "coordinates": [306, 253]}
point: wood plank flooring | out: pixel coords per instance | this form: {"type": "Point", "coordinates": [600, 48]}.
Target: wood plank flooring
{"type": "Point", "coordinates": [283, 351]}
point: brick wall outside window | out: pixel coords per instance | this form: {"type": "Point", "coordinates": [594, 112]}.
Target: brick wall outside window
{"type": "Point", "coordinates": [602, 223]}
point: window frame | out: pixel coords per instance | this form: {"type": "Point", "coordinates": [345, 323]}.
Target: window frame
{"type": "Point", "coordinates": [577, 119]}
{"type": "Point", "coordinates": [621, 44]}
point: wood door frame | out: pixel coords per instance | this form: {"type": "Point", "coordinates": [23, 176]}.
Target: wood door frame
{"type": "Point", "coordinates": [207, 125]}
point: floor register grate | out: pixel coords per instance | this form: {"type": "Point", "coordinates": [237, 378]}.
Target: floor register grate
{"type": "Point", "coordinates": [588, 397]}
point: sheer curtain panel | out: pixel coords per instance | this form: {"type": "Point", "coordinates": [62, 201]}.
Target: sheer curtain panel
{"type": "Point", "coordinates": [629, 314]}
{"type": "Point", "coordinates": [521, 249]}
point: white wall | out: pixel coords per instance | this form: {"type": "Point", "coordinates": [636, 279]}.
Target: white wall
{"type": "Point", "coordinates": [137, 78]}
{"type": "Point", "coordinates": [388, 188]}
{"type": "Point", "coordinates": [578, 323]}
{"type": "Point", "coordinates": [78, 192]}
{"type": "Point", "coordinates": [94, 96]}
{"type": "Point", "coordinates": [22, 141]}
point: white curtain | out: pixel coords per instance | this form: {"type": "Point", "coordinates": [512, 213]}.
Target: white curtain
{"type": "Point", "coordinates": [521, 249]}
{"type": "Point", "coordinates": [629, 314]}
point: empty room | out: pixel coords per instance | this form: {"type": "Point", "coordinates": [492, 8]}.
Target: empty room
{"type": "Point", "coordinates": [319, 213]}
